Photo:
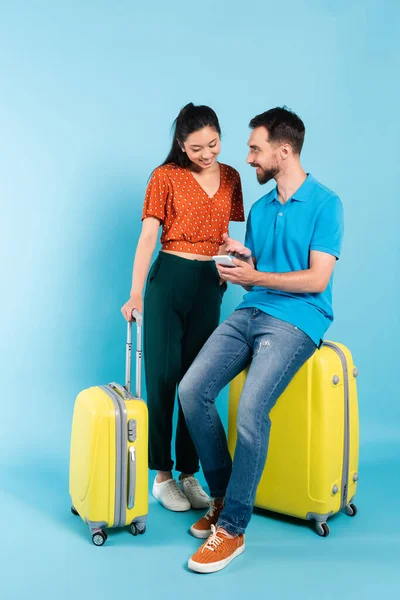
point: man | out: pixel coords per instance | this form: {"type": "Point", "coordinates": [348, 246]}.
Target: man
{"type": "Point", "coordinates": [293, 239]}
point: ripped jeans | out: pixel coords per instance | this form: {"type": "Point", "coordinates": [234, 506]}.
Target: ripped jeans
{"type": "Point", "coordinates": [275, 351]}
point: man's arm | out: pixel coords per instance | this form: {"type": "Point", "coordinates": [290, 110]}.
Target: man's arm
{"type": "Point", "coordinates": [324, 250]}
{"type": "Point", "coordinates": [310, 281]}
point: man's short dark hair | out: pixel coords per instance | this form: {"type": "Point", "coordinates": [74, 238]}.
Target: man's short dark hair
{"type": "Point", "coordinates": [283, 126]}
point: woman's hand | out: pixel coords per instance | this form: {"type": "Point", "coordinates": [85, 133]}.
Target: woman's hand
{"type": "Point", "coordinates": [134, 302]}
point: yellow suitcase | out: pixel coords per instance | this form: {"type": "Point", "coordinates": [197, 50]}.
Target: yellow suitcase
{"type": "Point", "coordinates": [108, 481]}
{"type": "Point", "coordinates": [312, 467]}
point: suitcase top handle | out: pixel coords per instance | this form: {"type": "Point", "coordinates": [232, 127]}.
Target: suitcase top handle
{"type": "Point", "coordinates": [128, 369]}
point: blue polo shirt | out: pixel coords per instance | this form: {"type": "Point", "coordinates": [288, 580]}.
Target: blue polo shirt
{"type": "Point", "coordinates": [280, 238]}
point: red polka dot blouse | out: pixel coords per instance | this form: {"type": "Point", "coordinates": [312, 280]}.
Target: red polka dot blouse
{"type": "Point", "coordinates": [191, 220]}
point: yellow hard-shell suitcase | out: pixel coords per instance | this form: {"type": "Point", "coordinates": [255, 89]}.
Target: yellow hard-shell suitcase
{"type": "Point", "coordinates": [109, 458]}
{"type": "Point", "coordinates": [311, 470]}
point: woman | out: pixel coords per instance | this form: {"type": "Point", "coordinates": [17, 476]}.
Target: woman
{"type": "Point", "coordinates": [192, 197]}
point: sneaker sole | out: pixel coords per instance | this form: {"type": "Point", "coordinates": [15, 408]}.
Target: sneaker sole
{"type": "Point", "coordinates": [173, 509]}
{"type": "Point", "coordinates": [217, 566]}
{"type": "Point", "coordinates": [200, 534]}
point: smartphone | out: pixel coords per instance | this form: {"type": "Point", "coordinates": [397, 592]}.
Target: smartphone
{"type": "Point", "coordinates": [224, 259]}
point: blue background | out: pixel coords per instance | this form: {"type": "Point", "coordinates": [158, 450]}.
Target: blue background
{"type": "Point", "coordinates": [88, 94]}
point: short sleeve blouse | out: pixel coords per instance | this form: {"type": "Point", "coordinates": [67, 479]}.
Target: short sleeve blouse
{"type": "Point", "coordinates": [191, 220]}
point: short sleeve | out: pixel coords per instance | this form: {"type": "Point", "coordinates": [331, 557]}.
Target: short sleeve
{"type": "Point", "coordinates": [237, 210]}
{"type": "Point", "coordinates": [249, 242]}
{"type": "Point", "coordinates": [156, 196]}
{"type": "Point", "coordinates": [329, 228]}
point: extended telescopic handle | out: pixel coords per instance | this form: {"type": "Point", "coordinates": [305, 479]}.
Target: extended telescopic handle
{"type": "Point", "coordinates": [128, 372]}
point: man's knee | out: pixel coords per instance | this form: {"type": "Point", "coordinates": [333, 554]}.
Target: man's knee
{"type": "Point", "coordinates": [187, 392]}
{"type": "Point", "coordinates": [191, 391]}
{"type": "Point", "coordinates": [184, 390]}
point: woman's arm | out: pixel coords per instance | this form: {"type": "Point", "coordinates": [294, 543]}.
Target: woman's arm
{"type": "Point", "coordinates": [144, 252]}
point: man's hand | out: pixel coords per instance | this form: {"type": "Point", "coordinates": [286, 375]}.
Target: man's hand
{"type": "Point", "coordinates": [242, 273]}
{"type": "Point", "coordinates": [236, 248]}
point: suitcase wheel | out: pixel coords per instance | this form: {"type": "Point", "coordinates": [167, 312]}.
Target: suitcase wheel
{"type": "Point", "coordinates": [351, 510]}
{"type": "Point", "coordinates": [74, 511]}
{"type": "Point", "coordinates": [99, 537]}
{"type": "Point", "coordinates": [135, 530]}
{"type": "Point", "coordinates": [322, 529]}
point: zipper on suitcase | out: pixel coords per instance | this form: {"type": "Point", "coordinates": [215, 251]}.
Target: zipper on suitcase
{"type": "Point", "coordinates": [124, 465]}
{"type": "Point", "coordinates": [346, 450]}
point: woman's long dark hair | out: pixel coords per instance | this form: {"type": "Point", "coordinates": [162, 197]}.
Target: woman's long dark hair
{"type": "Point", "coordinates": [191, 118]}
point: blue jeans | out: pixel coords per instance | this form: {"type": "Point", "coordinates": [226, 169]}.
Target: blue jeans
{"type": "Point", "coordinates": [275, 351]}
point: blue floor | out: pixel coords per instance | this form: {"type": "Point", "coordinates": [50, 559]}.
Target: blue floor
{"type": "Point", "coordinates": [47, 552]}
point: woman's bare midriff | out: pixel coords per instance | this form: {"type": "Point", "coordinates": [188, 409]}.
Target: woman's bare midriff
{"type": "Point", "coordinates": [188, 255]}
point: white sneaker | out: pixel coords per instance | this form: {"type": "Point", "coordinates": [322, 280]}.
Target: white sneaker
{"type": "Point", "coordinates": [194, 492]}
{"type": "Point", "coordinates": [169, 494]}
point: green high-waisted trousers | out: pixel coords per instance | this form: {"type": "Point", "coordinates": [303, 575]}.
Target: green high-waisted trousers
{"type": "Point", "coordinates": [181, 310]}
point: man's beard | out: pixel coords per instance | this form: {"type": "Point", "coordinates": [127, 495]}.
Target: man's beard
{"type": "Point", "coordinates": [267, 174]}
